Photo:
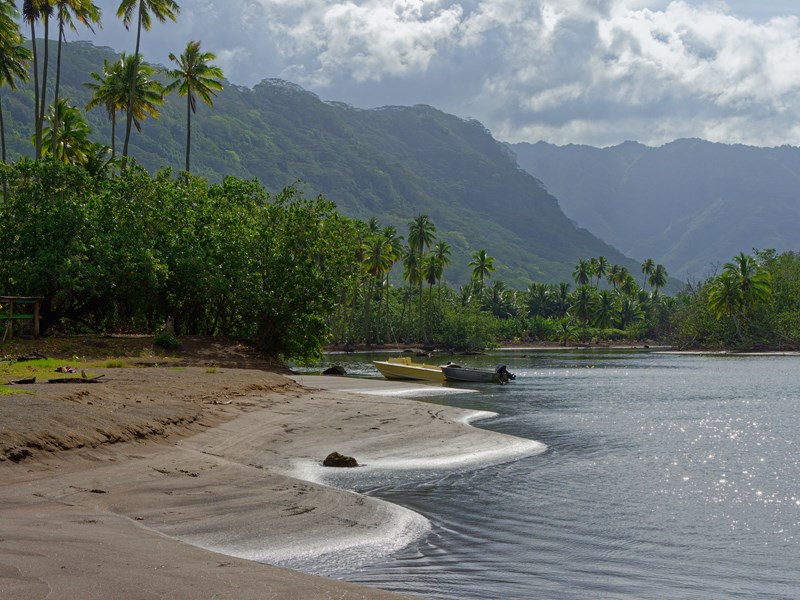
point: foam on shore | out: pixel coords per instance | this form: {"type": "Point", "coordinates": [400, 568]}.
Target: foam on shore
{"type": "Point", "coordinates": [343, 549]}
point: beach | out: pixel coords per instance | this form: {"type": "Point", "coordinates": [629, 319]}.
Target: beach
{"type": "Point", "coordinates": [194, 482]}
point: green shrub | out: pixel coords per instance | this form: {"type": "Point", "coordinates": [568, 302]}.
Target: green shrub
{"type": "Point", "coordinates": [167, 341]}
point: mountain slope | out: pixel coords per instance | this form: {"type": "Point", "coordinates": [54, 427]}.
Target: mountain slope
{"type": "Point", "coordinates": [690, 204]}
{"type": "Point", "coordinates": [391, 163]}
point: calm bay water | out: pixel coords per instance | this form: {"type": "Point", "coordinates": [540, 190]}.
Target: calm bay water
{"type": "Point", "coordinates": [666, 476]}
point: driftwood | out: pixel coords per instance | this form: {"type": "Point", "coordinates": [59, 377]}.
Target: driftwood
{"type": "Point", "coordinates": [23, 381]}
{"type": "Point", "coordinates": [76, 379]}
{"type": "Point", "coordinates": [30, 356]}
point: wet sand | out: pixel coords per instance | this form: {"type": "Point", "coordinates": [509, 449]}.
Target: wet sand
{"type": "Point", "coordinates": [211, 475]}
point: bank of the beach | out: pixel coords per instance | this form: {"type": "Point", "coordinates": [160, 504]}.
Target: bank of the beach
{"type": "Point", "coordinates": [203, 481]}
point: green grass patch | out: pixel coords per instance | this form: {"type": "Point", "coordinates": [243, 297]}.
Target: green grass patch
{"type": "Point", "coordinates": [115, 363]}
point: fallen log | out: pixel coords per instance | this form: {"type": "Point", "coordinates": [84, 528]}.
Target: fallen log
{"type": "Point", "coordinates": [95, 379]}
{"type": "Point", "coordinates": [25, 381]}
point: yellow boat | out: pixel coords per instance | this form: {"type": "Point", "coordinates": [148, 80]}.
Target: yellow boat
{"type": "Point", "coordinates": [403, 368]}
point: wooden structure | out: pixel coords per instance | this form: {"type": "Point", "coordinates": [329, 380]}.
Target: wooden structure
{"type": "Point", "coordinates": [16, 308]}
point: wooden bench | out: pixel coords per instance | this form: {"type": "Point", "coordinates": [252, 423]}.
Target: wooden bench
{"type": "Point", "coordinates": [20, 308]}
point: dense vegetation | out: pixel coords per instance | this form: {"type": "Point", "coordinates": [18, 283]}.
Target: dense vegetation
{"type": "Point", "coordinates": [125, 253]}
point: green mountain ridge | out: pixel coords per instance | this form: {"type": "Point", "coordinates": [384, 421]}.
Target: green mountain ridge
{"type": "Point", "coordinates": [689, 204]}
{"type": "Point", "coordinates": [391, 163]}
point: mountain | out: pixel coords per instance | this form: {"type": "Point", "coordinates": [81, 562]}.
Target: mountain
{"type": "Point", "coordinates": [690, 204]}
{"type": "Point", "coordinates": [391, 163]}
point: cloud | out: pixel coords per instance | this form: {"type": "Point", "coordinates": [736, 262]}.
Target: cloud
{"type": "Point", "coordinates": [592, 71]}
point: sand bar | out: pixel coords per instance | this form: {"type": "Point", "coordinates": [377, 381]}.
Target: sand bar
{"type": "Point", "coordinates": [203, 481]}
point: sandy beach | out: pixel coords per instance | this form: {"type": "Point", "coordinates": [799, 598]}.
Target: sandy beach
{"type": "Point", "coordinates": [193, 483]}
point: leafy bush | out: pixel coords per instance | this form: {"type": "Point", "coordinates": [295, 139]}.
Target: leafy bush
{"type": "Point", "coordinates": [167, 341]}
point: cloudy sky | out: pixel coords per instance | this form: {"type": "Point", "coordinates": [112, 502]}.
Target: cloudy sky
{"type": "Point", "coordinates": [565, 71]}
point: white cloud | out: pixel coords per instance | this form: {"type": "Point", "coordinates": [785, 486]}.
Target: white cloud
{"type": "Point", "coordinates": [593, 71]}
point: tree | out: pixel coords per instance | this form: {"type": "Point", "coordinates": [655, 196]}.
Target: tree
{"type": "Point", "coordinates": [33, 11]}
{"type": "Point", "coordinates": [739, 289]}
{"type": "Point", "coordinates": [148, 95]}
{"type": "Point", "coordinates": [605, 309]}
{"type": "Point", "coordinates": [69, 11]}
{"type": "Point", "coordinates": [442, 254]}
{"type": "Point", "coordinates": [378, 260]}
{"type": "Point", "coordinates": [70, 142]}
{"type": "Point", "coordinates": [648, 267]}
{"type": "Point", "coordinates": [482, 267]}
{"type": "Point", "coordinates": [601, 268]}
{"type": "Point", "coordinates": [110, 92]}
{"type": "Point", "coordinates": [161, 10]}
{"type": "Point", "coordinates": [421, 234]}
{"type": "Point", "coordinates": [194, 78]}
{"type": "Point", "coordinates": [582, 272]}
{"type": "Point", "coordinates": [14, 57]}
{"type": "Point", "coordinates": [658, 278]}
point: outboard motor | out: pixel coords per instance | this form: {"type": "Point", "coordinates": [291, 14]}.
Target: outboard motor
{"type": "Point", "coordinates": [503, 372]}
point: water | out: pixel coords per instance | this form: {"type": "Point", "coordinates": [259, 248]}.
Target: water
{"type": "Point", "coordinates": [666, 476]}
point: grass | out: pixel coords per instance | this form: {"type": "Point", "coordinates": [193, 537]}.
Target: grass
{"type": "Point", "coordinates": [42, 369]}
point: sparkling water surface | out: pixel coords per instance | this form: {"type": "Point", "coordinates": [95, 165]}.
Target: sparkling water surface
{"type": "Point", "coordinates": [666, 476]}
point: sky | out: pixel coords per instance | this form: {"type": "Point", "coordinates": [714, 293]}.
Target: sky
{"type": "Point", "coordinates": [595, 72]}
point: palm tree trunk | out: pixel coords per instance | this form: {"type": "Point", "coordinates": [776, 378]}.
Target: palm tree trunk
{"type": "Point", "coordinates": [37, 131]}
{"type": "Point", "coordinates": [132, 90]}
{"type": "Point", "coordinates": [43, 96]}
{"type": "Point", "coordinates": [188, 128]}
{"type": "Point", "coordinates": [2, 133]}
{"type": "Point", "coordinates": [113, 134]}
{"type": "Point", "coordinates": [58, 79]}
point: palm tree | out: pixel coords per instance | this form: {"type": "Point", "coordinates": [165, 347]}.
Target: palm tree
{"type": "Point", "coordinates": [421, 234]}
{"type": "Point", "coordinates": [482, 267]}
{"type": "Point", "coordinates": [754, 283]}
{"type": "Point", "coordinates": [725, 298]}
{"type": "Point", "coordinates": [629, 313]}
{"type": "Point", "coordinates": [412, 273]}
{"type": "Point", "coordinates": [71, 143]}
{"type": "Point", "coordinates": [601, 268]}
{"type": "Point", "coordinates": [33, 11]}
{"type": "Point", "coordinates": [498, 301]}
{"type": "Point", "coordinates": [604, 309]}
{"type": "Point", "coordinates": [14, 57]}
{"type": "Point", "coordinates": [69, 11]}
{"type": "Point", "coordinates": [432, 271]}
{"type": "Point", "coordinates": [194, 78]}
{"type": "Point", "coordinates": [648, 267]}
{"type": "Point", "coordinates": [582, 272]}
{"type": "Point", "coordinates": [442, 254]}
{"type": "Point", "coordinates": [562, 301]}
{"type": "Point", "coordinates": [742, 286]}
{"type": "Point", "coordinates": [110, 92]}
{"type": "Point", "coordinates": [658, 278]}
{"type": "Point", "coordinates": [582, 303]}
{"type": "Point", "coordinates": [161, 10]}
{"type": "Point", "coordinates": [378, 259]}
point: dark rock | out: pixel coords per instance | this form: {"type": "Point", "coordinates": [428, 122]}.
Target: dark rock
{"type": "Point", "coordinates": [335, 370]}
{"type": "Point", "coordinates": [334, 459]}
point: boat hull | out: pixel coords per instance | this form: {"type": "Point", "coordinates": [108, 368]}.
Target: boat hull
{"type": "Point", "coordinates": [403, 368]}
{"type": "Point", "coordinates": [474, 375]}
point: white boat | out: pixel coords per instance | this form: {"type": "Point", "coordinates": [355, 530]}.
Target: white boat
{"type": "Point", "coordinates": [403, 368]}
{"type": "Point", "coordinates": [499, 374]}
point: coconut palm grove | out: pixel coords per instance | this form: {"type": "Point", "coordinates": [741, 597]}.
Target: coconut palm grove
{"type": "Point", "coordinates": [112, 247]}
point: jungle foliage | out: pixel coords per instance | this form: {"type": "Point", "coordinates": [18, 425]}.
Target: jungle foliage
{"type": "Point", "coordinates": [125, 253]}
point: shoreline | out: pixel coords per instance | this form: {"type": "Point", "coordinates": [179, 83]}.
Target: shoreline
{"type": "Point", "coordinates": [166, 506]}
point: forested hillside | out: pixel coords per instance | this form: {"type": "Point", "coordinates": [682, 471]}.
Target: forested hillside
{"type": "Point", "coordinates": [390, 163]}
{"type": "Point", "coordinates": [689, 204]}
